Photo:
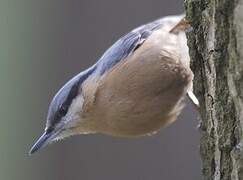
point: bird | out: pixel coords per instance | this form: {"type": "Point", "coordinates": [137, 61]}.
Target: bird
{"type": "Point", "coordinates": [135, 88]}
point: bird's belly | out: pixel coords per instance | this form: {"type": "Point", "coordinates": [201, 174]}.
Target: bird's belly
{"type": "Point", "coordinates": [140, 95]}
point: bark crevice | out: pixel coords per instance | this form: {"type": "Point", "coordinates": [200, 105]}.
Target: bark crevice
{"type": "Point", "coordinates": [215, 46]}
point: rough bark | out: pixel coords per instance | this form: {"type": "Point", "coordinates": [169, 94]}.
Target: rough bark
{"type": "Point", "coordinates": [216, 51]}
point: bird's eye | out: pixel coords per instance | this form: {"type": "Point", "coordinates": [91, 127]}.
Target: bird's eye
{"type": "Point", "coordinates": [62, 110]}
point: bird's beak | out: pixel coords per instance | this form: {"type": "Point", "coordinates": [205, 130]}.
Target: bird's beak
{"type": "Point", "coordinates": [44, 140]}
{"type": "Point", "coordinates": [40, 143]}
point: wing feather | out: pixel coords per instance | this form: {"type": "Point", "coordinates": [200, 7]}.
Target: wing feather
{"type": "Point", "coordinates": [125, 46]}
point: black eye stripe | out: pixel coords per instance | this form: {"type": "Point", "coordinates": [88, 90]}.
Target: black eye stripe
{"type": "Point", "coordinates": [48, 130]}
{"type": "Point", "coordinates": [73, 91]}
{"type": "Point", "coordinates": [63, 109]}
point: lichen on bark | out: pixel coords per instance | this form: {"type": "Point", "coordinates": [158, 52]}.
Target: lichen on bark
{"type": "Point", "coordinates": [215, 46]}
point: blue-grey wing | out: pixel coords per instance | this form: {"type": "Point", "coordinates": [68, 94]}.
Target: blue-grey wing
{"type": "Point", "coordinates": [125, 46]}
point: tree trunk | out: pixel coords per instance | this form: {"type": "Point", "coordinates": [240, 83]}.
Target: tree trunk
{"type": "Point", "coordinates": [216, 51]}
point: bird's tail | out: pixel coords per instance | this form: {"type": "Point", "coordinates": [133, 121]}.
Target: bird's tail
{"type": "Point", "coordinates": [182, 25]}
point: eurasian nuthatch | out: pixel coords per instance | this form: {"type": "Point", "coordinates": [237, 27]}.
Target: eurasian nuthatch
{"type": "Point", "coordinates": [134, 89]}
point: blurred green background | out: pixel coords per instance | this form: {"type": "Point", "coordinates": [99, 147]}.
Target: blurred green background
{"type": "Point", "coordinates": [42, 45]}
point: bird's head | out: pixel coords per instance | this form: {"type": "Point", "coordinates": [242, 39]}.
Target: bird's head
{"type": "Point", "coordinates": [65, 112]}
